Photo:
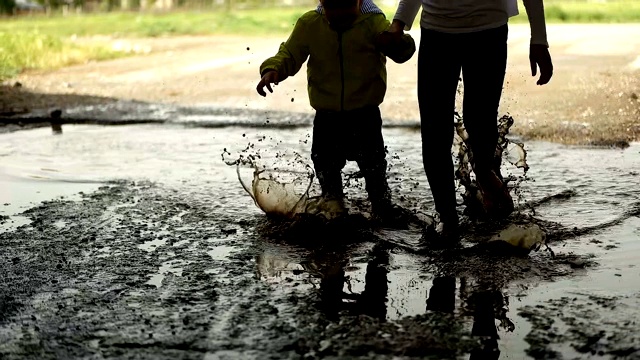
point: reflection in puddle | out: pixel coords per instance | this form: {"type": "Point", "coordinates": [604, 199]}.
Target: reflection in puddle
{"type": "Point", "coordinates": [391, 287]}
{"type": "Point", "coordinates": [408, 288]}
{"type": "Point", "coordinates": [381, 284]}
{"type": "Point", "coordinates": [483, 293]}
{"type": "Point", "coordinates": [276, 268]}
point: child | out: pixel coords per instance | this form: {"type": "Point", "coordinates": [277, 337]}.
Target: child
{"type": "Point", "coordinates": [346, 44]}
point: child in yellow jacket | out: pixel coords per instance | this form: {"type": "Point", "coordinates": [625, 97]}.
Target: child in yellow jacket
{"type": "Point", "coordinates": [346, 43]}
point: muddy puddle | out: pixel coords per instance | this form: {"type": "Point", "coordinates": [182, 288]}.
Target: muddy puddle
{"type": "Point", "coordinates": [138, 242]}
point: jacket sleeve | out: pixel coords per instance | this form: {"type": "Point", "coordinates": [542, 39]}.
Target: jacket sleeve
{"type": "Point", "coordinates": [292, 54]}
{"type": "Point", "coordinates": [398, 52]}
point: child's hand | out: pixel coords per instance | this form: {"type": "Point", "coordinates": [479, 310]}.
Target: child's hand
{"type": "Point", "coordinates": [397, 28]}
{"type": "Point", "coordinates": [386, 40]}
{"type": "Point", "coordinates": [271, 77]}
{"type": "Point", "coordinates": [539, 57]}
{"type": "Point", "coordinates": [396, 46]}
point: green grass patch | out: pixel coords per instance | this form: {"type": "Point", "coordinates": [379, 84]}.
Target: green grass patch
{"type": "Point", "coordinates": [130, 24]}
{"type": "Point", "coordinates": [622, 11]}
{"type": "Point", "coordinates": [33, 50]}
{"type": "Point", "coordinates": [44, 42]}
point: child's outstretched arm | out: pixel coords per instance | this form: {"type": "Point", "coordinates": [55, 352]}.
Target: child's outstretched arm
{"type": "Point", "coordinates": [539, 48]}
{"type": "Point", "coordinates": [287, 62]}
{"type": "Point", "coordinates": [398, 48]}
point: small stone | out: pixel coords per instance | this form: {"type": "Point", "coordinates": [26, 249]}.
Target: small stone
{"type": "Point", "coordinates": [577, 264]}
{"type": "Point", "coordinates": [229, 231]}
{"type": "Point", "coordinates": [324, 345]}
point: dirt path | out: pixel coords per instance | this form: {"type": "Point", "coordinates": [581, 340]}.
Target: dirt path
{"type": "Point", "coordinates": [593, 98]}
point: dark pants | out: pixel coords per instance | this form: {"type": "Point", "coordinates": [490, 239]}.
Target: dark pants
{"type": "Point", "coordinates": [350, 135]}
{"type": "Point", "coordinates": [482, 58]}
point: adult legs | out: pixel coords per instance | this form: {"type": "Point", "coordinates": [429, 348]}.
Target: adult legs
{"type": "Point", "coordinates": [438, 74]}
{"type": "Point", "coordinates": [483, 71]}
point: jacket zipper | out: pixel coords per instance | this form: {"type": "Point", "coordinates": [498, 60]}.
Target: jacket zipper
{"type": "Point", "coordinates": [341, 56]}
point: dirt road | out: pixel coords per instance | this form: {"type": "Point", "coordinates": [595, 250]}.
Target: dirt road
{"type": "Point", "coordinates": [592, 99]}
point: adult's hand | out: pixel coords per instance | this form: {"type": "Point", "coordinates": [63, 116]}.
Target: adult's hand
{"type": "Point", "coordinates": [539, 57]}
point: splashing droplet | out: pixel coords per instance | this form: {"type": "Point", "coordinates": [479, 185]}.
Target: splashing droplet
{"type": "Point", "coordinates": [510, 150]}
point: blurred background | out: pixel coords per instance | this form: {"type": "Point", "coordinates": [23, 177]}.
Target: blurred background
{"type": "Point", "coordinates": [34, 33]}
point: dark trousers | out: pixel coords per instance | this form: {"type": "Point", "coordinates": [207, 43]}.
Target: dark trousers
{"type": "Point", "coordinates": [350, 135]}
{"type": "Point", "coordinates": [482, 58]}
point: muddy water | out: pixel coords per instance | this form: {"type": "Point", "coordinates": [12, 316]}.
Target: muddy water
{"type": "Point", "coordinates": [174, 259]}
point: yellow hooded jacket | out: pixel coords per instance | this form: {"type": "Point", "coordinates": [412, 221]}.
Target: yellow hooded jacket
{"type": "Point", "coordinates": [346, 70]}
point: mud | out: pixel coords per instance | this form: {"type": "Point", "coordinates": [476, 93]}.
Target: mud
{"type": "Point", "coordinates": [580, 322]}
{"type": "Point", "coordinates": [80, 281]}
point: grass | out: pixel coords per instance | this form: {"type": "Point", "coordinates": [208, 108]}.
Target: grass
{"type": "Point", "coordinates": [41, 42]}
{"type": "Point", "coordinates": [34, 50]}
{"type": "Point", "coordinates": [613, 11]}
{"type": "Point", "coordinates": [131, 24]}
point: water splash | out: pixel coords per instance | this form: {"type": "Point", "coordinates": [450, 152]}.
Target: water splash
{"type": "Point", "coordinates": [510, 150]}
{"type": "Point", "coordinates": [281, 199]}
{"type": "Point", "coordinates": [284, 192]}
{"type": "Point", "coordinates": [282, 181]}
{"type": "Point", "coordinates": [527, 238]}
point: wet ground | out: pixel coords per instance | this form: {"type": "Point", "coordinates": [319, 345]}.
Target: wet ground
{"type": "Point", "coordinates": [147, 247]}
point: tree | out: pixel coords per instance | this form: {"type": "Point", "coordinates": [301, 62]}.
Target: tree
{"type": "Point", "coordinates": [7, 6]}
